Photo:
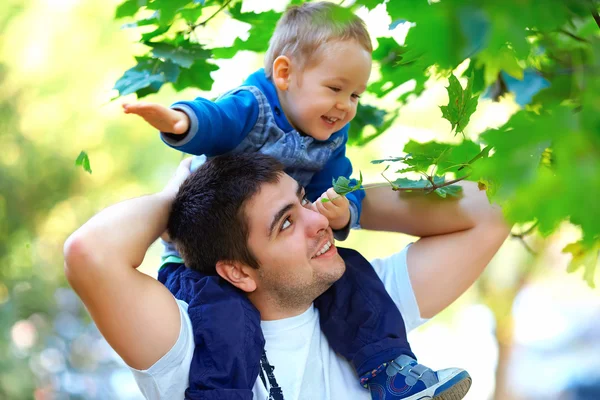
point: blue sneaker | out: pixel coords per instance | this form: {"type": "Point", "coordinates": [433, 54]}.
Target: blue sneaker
{"type": "Point", "coordinates": [404, 379]}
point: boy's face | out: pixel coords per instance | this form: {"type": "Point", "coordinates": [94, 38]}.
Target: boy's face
{"type": "Point", "coordinates": [323, 98]}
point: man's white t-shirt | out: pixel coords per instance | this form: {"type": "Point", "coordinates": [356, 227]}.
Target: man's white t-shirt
{"type": "Point", "coordinates": [305, 366]}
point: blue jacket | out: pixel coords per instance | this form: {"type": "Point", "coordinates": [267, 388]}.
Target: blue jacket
{"type": "Point", "coordinates": [250, 119]}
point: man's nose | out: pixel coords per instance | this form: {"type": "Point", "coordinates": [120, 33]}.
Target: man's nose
{"type": "Point", "coordinates": [315, 221]}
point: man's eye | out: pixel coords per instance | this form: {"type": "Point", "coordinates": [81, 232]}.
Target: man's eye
{"type": "Point", "coordinates": [305, 201]}
{"type": "Point", "coordinates": [286, 224]}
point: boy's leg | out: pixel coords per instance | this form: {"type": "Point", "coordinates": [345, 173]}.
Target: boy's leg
{"type": "Point", "coordinates": [363, 324]}
{"type": "Point", "coordinates": [227, 335]}
{"type": "Point", "coordinates": [360, 319]}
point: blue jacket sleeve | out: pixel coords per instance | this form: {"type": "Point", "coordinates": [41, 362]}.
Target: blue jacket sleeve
{"type": "Point", "coordinates": [338, 165]}
{"type": "Point", "coordinates": [215, 127]}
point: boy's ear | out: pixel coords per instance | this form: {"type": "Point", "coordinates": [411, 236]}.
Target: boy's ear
{"type": "Point", "coordinates": [282, 69]}
{"type": "Point", "coordinates": [238, 274]}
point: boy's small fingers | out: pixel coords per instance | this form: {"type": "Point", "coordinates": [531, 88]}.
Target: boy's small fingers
{"type": "Point", "coordinates": [320, 206]}
{"type": "Point", "coordinates": [328, 205]}
{"type": "Point", "coordinates": [331, 193]}
{"type": "Point", "coordinates": [180, 127]}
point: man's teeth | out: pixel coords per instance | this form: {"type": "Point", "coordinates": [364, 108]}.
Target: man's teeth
{"type": "Point", "coordinates": [325, 247]}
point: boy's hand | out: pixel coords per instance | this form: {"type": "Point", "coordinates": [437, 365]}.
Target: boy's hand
{"type": "Point", "coordinates": [162, 118]}
{"type": "Point", "coordinates": [336, 210]}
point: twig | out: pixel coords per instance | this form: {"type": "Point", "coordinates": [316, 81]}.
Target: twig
{"type": "Point", "coordinates": [429, 188]}
{"type": "Point", "coordinates": [527, 247]}
{"type": "Point", "coordinates": [211, 17]}
{"type": "Point", "coordinates": [573, 36]}
{"type": "Point", "coordinates": [596, 17]}
{"type": "Point", "coordinates": [521, 238]}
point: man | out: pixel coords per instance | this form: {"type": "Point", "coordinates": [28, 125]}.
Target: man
{"type": "Point", "coordinates": [152, 332]}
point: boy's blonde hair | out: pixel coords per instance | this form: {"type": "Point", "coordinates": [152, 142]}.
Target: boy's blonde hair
{"type": "Point", "coordinates": [303, 30]}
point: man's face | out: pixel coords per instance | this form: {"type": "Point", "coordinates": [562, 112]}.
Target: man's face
{"type": "Point", "coordinates": [293, 245]}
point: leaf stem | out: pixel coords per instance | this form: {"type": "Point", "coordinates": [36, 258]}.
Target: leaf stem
{"type": "Point", "coordinates": [481, 154]}
{"type": "Point", "coordinates": [527, 247]}
{"type": "Point", "coordinates": [211, 17]}
{"type": "Point", "coordinates": [525, 233]}
{"type": "Point", "coordinates": [573, 36]}
{"type": "Point", "coordinates": [428, 188]}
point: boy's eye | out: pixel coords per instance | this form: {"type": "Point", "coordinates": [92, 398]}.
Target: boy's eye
{"type": "Point", "coordinates": [335, 89]}
{"type": "Point", "coordinates": [356, 96]}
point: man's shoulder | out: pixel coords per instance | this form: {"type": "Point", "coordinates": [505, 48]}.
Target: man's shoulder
{"type": "Point", "coordinates": [351, 255]}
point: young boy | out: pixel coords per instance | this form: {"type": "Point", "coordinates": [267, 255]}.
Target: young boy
{"type": "Point", "coordinates": [297, 110]}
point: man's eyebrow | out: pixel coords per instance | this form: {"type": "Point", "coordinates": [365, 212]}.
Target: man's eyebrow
{"type": "Point", "coordinates": [285, 209]}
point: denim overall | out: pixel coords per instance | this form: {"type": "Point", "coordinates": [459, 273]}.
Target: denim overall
{"type": "Point", "coordinates": [357, 316]}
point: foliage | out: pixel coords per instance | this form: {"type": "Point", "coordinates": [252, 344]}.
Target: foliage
{"type": "Point", "coordinates": [462, 105]}
{"type": "Point", "coordinates": [83, 161]}
{"type": "Point", "coordinates": [343, 185]}
{"type": "Point", "coordinates": [543, 165]}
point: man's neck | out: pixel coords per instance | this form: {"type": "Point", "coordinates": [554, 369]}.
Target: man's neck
{"type": "Point", "coordinates": [271, 308]}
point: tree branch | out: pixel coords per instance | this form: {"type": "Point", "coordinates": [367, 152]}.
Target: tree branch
{"type": "Point", "coordinates": [192, 27]}
{"type": "Point", "coordinates": [573, 36]}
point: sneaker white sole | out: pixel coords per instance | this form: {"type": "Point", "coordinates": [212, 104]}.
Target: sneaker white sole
{"type": "Point", "coordinates": [453, 388]}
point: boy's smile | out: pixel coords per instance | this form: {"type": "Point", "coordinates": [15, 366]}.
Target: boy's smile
{"type": "Point", "coordinates": [322, 98]}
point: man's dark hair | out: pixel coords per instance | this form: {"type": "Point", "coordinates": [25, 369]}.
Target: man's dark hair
{"type": "Point", "coordinates": [207, 221]}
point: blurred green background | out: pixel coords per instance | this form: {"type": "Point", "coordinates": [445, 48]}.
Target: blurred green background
{"type": "Point", "coordinates": [526, 330]}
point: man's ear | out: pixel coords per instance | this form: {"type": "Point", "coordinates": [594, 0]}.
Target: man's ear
{"type": "Point", "coordinates": [282, 69]}
{"type": "Point", "coordinates": [238, 274]}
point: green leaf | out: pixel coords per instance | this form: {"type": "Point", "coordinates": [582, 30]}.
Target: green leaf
{"type": "Point", "coordinates": [420, 184]}
{"type": "Point", "coordinates": [493, 61]}
{"type": "Point", "coordinates": [157, 32]}
{"type": "Point", "coordinates": [460, 106]}
{"type": "Point", "coordinates": [148, 73]}
{"type": "Point", "coordinates": [184, 54]}
{"type": "Point", "coordinates": [392, 159]}
{"type": "Point", "coordinates": [586, 257]}
{"type": "Point", "coordinates": [447, 157]}
{"type": "Point", "coordinates": [83, 161]}
{"type": "Point", "coordinates": [408, 169]}
{"type": "Point", "coordinates": [440, 20]}
{"type": "Point", "coordinates": [152, 20]}
{"type": "Point", "coordinates": [424, 185]}
{"type": "Point", "coordinates": [368, 118]}
{"type": "Point", "coordinates": [450, 190]}
{"type": "Point", "coordinates": [167, 9]}
{"type": "Point", "coordinates": [129, 8]}
{"type": "Point", "coordinates": [262, 28]}
{"type": "Point", "coordinates": [198, 76]}
{"type": "Point", "coordinates": [397, 65]}
{"type": "Point", "coordinates": [369, 4]}
{"type": "Point", "coordinates": [343, 185]}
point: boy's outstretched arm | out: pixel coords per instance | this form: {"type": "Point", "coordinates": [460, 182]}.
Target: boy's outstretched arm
{"type": "Point", "coordinates": [136, 314]}
{"type": "Point", "coordinates": [459, 237]}
{"type": "Point", "coordinates": [162, 118]}
{"type": "Point", "coordinates": [203, 126]}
